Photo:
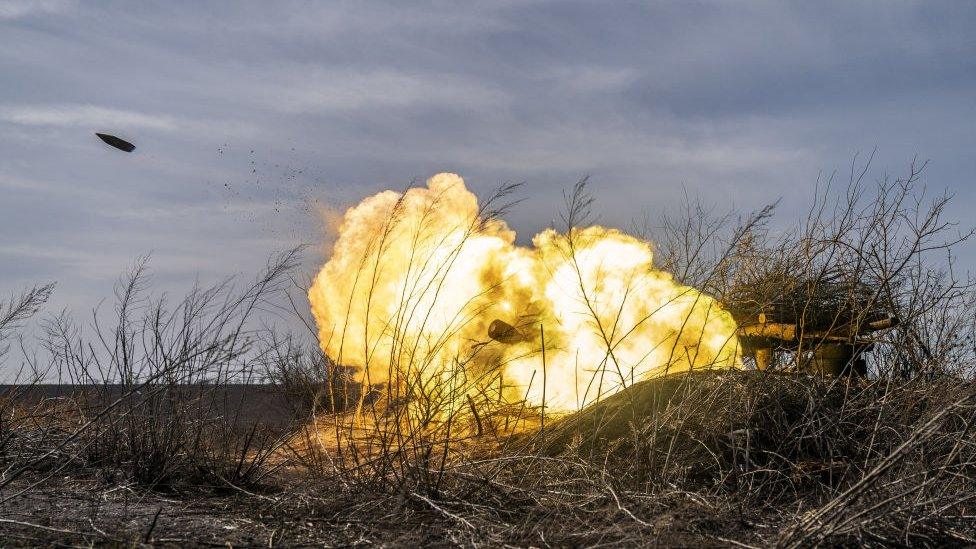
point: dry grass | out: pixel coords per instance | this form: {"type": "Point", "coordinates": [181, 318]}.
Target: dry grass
{"type": "Point", "coordinates": [147, 453]}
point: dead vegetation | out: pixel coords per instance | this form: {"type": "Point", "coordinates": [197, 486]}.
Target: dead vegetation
{"type": "Point", "coordinates": [152, 447]}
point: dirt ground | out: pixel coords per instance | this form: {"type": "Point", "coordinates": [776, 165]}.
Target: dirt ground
{"type": "Point", "coordinates": [84, 512]}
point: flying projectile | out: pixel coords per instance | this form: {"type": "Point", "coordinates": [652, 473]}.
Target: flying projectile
{"type": "Point", "coordinates": [120, 144]}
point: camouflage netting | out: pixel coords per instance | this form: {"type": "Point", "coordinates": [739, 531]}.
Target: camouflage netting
{"type": "Point", "coordinates": [825, 302]}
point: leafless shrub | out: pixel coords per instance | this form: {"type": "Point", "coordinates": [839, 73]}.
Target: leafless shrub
{"type": "Point", "coordinates": [159, 388]}
{"type": "Point", "coordinates": [312, 383]}
{"type": "Point", "coordinates": [20, 415]}
{"type": "Point", "coordinates": [16, 310]}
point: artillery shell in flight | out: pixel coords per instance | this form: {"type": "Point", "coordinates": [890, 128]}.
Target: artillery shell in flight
{"type": "Point", "coordinates": [120, 144]}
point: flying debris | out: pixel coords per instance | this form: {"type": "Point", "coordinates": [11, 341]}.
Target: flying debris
{"type": "Point", "coordinates": [120, 144]}
{"type": "Point", "coordinates": [503, 332]}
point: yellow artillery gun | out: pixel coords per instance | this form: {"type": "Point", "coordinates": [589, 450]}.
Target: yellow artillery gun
{"type": "Point", "coordinates": [834, 351]}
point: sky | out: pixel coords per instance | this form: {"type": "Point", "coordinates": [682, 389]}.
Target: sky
{"type": "Point", "coordinates": [252, 118]}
